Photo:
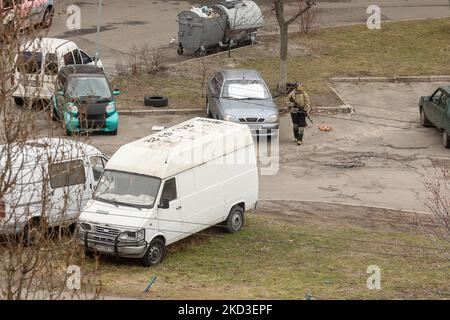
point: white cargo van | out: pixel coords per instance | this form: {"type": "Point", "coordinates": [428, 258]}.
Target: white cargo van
{"type": "Point", "coordinates": [167, 186]}
{"type": "Point", "coordinates": [63, 171]}
{"type": "Point", "coordinates": [38, 64]}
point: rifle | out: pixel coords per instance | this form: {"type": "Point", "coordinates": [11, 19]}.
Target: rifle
{"type": "Point", "coordinates": [302, 110]}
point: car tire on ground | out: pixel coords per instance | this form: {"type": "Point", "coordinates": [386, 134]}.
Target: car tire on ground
{"type": "Point", "coordinates": [446, 139]}
{"type": "Point", "coordinates": [19, 101]}
{"type": "Point", "coordinates": [154, 254]}
{"type": "Point", "coordinates": [156, 101]}
{"type": "Point", "coordinates": [89, 254]}
{"type": "Point", "coordinates": [30, 233]}
{"type": "Point", "coordinates": [113, 133]}
{"type": "Point", "coordinates": [235, 220]}
{"type": "Point", "coordinates": [423, 119]}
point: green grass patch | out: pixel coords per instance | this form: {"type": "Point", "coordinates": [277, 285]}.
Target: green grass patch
{"type": "Point", "coordinates": [284, 260]}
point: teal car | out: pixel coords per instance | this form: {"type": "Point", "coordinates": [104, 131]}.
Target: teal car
{"type": "Point", "coordinates": [435, 111]}
{"type": "Point", "coordinates": [84, 100]}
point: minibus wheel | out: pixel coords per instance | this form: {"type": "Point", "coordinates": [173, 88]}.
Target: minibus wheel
{"type": "Point", "coordinates": [31, 232]}
{"type": "Point", "coordinates": [155, 253]}
{"type": "Point", "coordinates": [235, 220]}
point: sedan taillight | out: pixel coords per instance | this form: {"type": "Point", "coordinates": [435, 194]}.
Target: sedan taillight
{"type": "Point", "coordinates": [2, 209]}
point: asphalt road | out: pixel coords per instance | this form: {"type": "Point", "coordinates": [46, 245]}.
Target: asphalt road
{"type": "Point", "coordinates": [141, 22]}
{"type": "Point", "coordinates": [378, 156]}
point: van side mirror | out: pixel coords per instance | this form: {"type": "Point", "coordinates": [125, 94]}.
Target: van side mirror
{"type": "Point", "coordinates": [164, 204]}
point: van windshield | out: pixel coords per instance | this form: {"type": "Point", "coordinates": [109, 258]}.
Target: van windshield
{"type": "Point", "coordinates": [123, 188]}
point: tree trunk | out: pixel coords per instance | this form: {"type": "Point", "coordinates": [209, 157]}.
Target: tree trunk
{"type": "Point", "coordinates": [283, 59]}
{"type": "Point", "coordinates": [284, 26]}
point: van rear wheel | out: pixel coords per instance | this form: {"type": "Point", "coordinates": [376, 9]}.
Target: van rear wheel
{"type": "Point", "coordinates": [155, 253]}
{"type": "Point", "coordinates": [18, 101]}
{"type": "Point", "coordinates": [31, 232]}
{"type": "Point", "coordinates": [235, 220]}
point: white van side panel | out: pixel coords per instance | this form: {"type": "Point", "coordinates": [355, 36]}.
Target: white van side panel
{"type": "Point", "coordinates": [240, 179]}
{"type": "Point", "coordinates": [202, 195]}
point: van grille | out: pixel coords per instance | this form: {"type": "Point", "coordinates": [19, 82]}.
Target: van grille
{"type": "Point", "coordinates": [106, 231]}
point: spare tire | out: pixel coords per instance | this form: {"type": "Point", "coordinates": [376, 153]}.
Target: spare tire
{"type": "Point", "coordinates": [156, 101]}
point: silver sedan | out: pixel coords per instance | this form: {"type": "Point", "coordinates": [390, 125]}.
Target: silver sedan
{"type": "Point", "coordinates": [241, 95]}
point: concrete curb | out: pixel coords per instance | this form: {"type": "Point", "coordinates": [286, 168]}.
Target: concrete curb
{"type": "Point", "coordinates": [404, 79]}
{"type": "Point", "coordinates": [131, 112]}
{"type": "Point", "coordinates": [173, 112]}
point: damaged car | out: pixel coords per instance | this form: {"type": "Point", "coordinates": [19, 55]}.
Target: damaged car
{"type": "Point", "coordinates": [84, 100]}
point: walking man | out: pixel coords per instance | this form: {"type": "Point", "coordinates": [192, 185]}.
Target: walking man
{"type": "Point", "coordinates": [299, 111]}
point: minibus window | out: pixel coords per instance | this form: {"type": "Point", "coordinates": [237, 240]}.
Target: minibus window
{"type": "Point", "coordinates": [29, 62]}
{"type": "Point", "coordinates": [51, 64]}
{"type": "Point", "coordinates": [97, 164]}
{"type": "Point", "coordinates": [68, 59]}
{"type": "Point", "coordinates": [66, 174]}
{"type": "Point", "coordinates": [127, 189]}
{"type": "Point", "coordinates": [77, 56]}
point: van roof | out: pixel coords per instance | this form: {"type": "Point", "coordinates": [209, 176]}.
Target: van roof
{"type": "Point", "coordinates": [49, 44]}
{"type": "Point", "coordinates": [179, 148]}
{"type": "Point", "coordinates": [45, 150]}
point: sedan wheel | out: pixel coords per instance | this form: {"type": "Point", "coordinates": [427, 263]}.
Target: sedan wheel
{"type": "Point", "coordinates": [423, 119]}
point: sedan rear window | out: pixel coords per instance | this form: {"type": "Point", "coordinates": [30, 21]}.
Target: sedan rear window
{"type": "Point", "coordinates": [244, 89]}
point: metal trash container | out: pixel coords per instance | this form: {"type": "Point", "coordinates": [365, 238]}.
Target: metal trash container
{"type": "Point", "coordinates": [211, 27]}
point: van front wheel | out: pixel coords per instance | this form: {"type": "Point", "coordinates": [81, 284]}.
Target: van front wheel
{"type": "Point", "coordinates": [155, 253]}
{"type": "Point", "coordinates": [235, 220]}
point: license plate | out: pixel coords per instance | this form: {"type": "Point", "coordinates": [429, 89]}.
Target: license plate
{"type": "Point", "coordinates": [104, 248]}
{"type": "Point", "coordinates": [254, 127]}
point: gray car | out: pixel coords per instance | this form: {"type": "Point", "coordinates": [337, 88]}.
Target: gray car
{"type": "Point", "coordinates": [241, 95]}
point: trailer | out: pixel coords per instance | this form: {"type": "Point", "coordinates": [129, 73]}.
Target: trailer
{"type": "Point", "coordinates": [208, 28]}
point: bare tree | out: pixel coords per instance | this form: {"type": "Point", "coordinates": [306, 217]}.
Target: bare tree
{"type": "Point", "coordinates": [307, 20]}
{"type": "Point", "coordinates": [438, 203]}
{"type": "Point", "coordinates": [33, 257]}
{"type": "Point", "coordinates": [284, 24]}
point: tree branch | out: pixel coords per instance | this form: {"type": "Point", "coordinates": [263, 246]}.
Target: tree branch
{"type": "Point", "coordinates": [309, 5]}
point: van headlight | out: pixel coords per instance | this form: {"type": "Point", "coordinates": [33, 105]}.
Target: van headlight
{"type": "Point", "coordinates": [230, 118]}
{"type": "Point", "coordinates": [110, 108]}
{"type": "Point", "coordinates": [272, 118]}
{"type": "Point", "coordinates": [132, 235]}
